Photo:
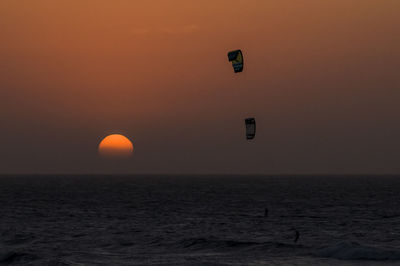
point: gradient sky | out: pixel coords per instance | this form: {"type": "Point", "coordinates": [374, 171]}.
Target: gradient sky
{"type": "Point", "coordinates": [321, 78]}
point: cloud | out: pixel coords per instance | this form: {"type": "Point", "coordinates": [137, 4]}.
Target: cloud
{"type": "Point", "coordinates": [190, 28]}
{"type": "Point", "coordinates": [140, 31]}
{"type": "Point", "coordinates": [176, 30]}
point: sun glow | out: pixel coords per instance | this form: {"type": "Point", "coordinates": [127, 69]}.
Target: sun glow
{"type": "Point", "coordinates": [115, 145]}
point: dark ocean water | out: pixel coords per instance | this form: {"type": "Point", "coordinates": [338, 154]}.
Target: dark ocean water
{"type": "Point", "coordinates": [199, 220]}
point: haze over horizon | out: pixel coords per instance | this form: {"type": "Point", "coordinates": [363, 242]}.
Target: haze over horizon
{"type": "Point", "coordinates": [320, 77]}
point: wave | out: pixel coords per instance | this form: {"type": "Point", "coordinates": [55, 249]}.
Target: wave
{"type": "Point", "coordinates": [213, 243]}
{"type": "Point", "coordinates": [356, 251]}
{"type": "Point", "coordinates": [13, 256]}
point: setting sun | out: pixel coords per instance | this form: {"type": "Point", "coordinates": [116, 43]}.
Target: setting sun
{"type": "Point", "coordinates": [116, 145]}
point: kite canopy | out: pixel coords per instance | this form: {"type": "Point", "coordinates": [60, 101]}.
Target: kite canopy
{"type": "Point", "coordinates": [250, 128]}
{"type": "Point", "coordinates": [236, 57]}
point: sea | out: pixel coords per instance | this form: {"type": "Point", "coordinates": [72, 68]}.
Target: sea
{"type": "Point", "coordinates": [199, 220]}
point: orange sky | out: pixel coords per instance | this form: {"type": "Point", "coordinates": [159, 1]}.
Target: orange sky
{"type": "Point", "coordinates": [321, 78]}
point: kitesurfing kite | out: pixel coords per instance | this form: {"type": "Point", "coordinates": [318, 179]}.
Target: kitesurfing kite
{"type": "Point", "coordinates": [236, 57]}
{"type": "Point", "coordinates": [250, 128]}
